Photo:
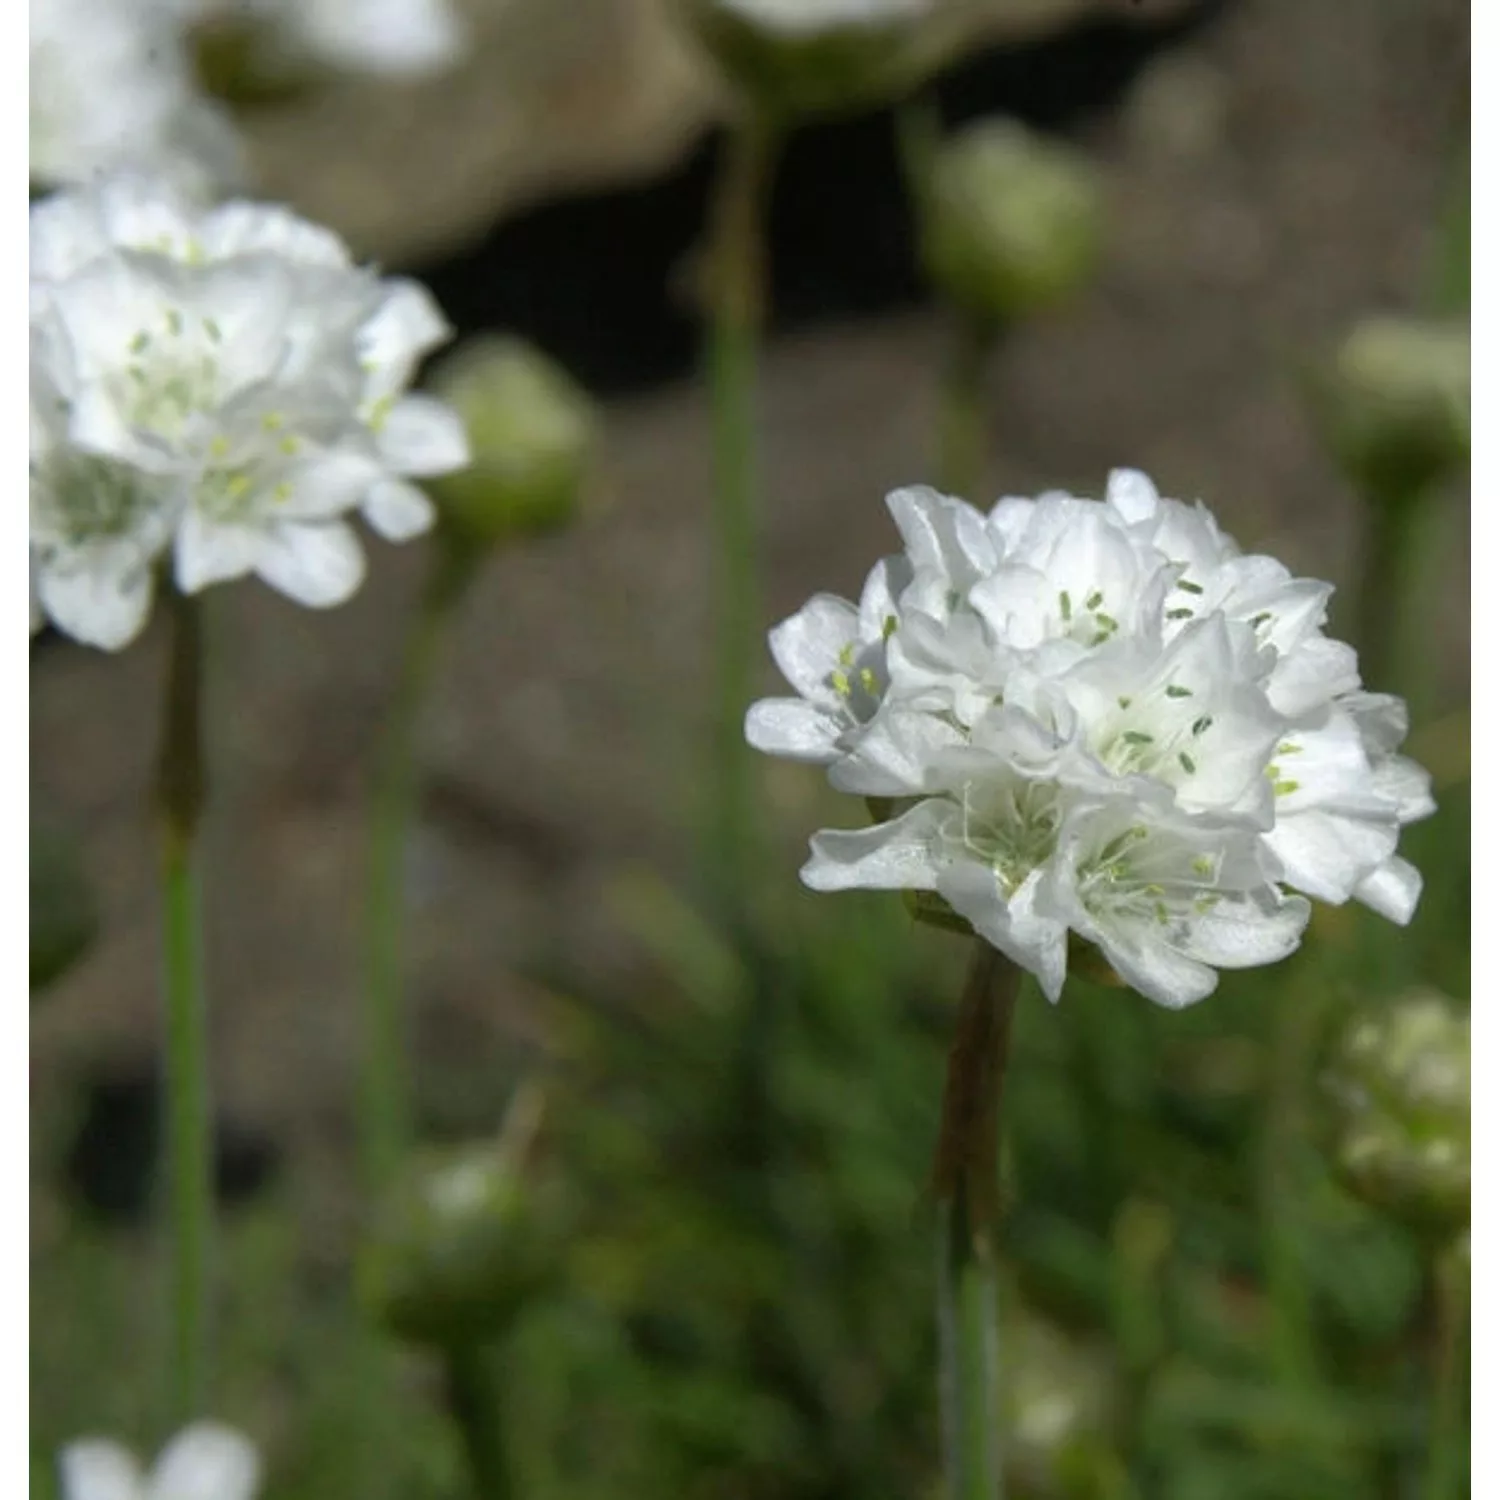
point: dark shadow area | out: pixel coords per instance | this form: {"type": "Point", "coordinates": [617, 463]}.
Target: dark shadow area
{"type": "Point", "coordinates": [841, 231]}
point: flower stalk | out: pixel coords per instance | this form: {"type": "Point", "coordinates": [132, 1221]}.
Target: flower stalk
{"type": "Point", "coordinates": [736, 291]}
{"type": "Point", "coordinates": [473, 1394]}
{"type": "Point", "coordinates": [965, 1180]}
{"type": "Point", "coordinates": [1449, 1430]}
{"type": "Point", "coordinates": [189, 1125]}
{"type": "Point", "coordinates": [385, 1124]}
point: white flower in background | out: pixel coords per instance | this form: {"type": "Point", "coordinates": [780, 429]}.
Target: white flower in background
{"type": "Point", "coordinates": [110, 86]}
{"type": "Point", "coordinates": [801, 17]}
{"type": "Point", "coordinates": [206, 1461]}
{"type": "Point", "coordinates": [225, 383]}
{"type": "Point", "coordinates": [1099, 718]}
{"type": "Point", "coordinates": [394, 38]}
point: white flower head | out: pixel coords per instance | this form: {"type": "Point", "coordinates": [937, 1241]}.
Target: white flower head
{"type": "Point", "coordinates": [389, 38]}
{"type": "Point", "coordinates": [111, 86]}
{"type": "Point", "coordinates": [1098, 718]}
{"type": "Point", "coordinates": [804, 17]}
{"type": "Point", "coordinates": [206, 1461]}
{"type": "Point", "coordinates": [225, 384]}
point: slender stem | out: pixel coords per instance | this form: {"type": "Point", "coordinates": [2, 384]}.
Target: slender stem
{"type": "Point", "coordinates": [965, 1178]}
{"type": "Point", "coordinates": [474, 1403]}
{"type": "Point", "coordinates": [385, 1088]}
{"type": "Point", "coordinates": [962, 426]}
{"type": "Point", "coordinates": [1402, 537]}
{"type": "Point", "coordinates": [189, 1124]}
{"type": "Point", "coordinates": [737, 297]}
{"type": "Point", "coordinates": [1448, 1437]}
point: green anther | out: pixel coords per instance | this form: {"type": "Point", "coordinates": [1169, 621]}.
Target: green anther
{"type": "Point", "coordinates": [1123, 702]}
{"type": "Point", "coordinates": [1273, 773]}
{"type": "Point", "coordinates": [174, 322]}
{"type": "Point", "coordinates": [1162, 914]}
{"type": "Point", "coordinates": [1154, 890]}
{"type": "Point", "coordinates": [290, 445]}
{"type": "Point", "coordinates": [1107, 621]}
{"type": "Point", "coordinates": [282, 493]}
{"type": "Point", "coordinates": [237, 486]}
{"type": "Point", "coordinates": [140, 343]}
{"type": "Point", "coordinates": [1186, 761]}
{"type": "Point", "coordinates": [846, 655]}
{"type": "Point", "coordinates": [1206, 902]}
{"type": "Point", "coordinates": [1179, 614]}
{"type": "Point", "coordinates": [1189, 588]}
{"type": "Point", "coordinates": [1065, 604]}
{"type": "Point", "coordinates": [867, 680]}
{"type": "Point", "coordinates": [888, 628]}
{"type": "Point", "coordinates": [273, 421]}
{"type": "Point", "coordinates": [1203, 865]}
{"type": "Point", "coordinates": [1288, 748]}
{"type": "Point", "coordinates": [1173, 691]}
{"type": "Point", "coordinates": [840, 681]}
{"type": "Point", "coordinates": [1100, 636]}
{"type": "Point", "coordinates": [1258, 620]}
{"type": "Point", "coordinates": [1094, 600]}
{"type": "Point", "coordinates": [1203, 725]}
{"type": "Point", "coordinates": [1286, 788]}
{"type": "Point", "coordinates": [1137, 737]}
{"type": "Point", "coordinates": [219, 447]}
{"type": "Point", "coordinates": [136, 373]}
{"type": "Point", "coordinates": [212, 329]}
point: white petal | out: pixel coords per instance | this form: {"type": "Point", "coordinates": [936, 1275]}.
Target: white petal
{"type": "Point", "coordinates": [895, 755]}
{"type": "Point", "coordinates": [1310, 677]}
{"type": "Point", "coordinates": [206, 1462]}
{"type": "Point", "coordinates": [1406, 784]}
{"type": "Point", "coordinates": [942, 534]}
{"type": "Point", "coordinates": [326, 484]}
{"type": "Point", "coordinates": [794, 728]}
{"type": "Point", "coordinates": [1244, 934]}
{"type": "Point", "coordinates": [97, 1469]}
{"type": "Point", "coordinates": [904, 854]}
{"type": "Point", "coordinates": [1132, 495]}
{"type": "Point", "coordinates": [96, 599]}
{"type": "Point", "coordinates": [808, 646]}
{"type": "Point", "coordinates": [1327, 854]}
{"type": "Point", "coordinates": [1153, 968]}
{"type": "Point", "coordinates": [1038, 944]}
{"type": "Point", "coordinates": [242, 228]}
{"type": "Point", "coordinates": [407, 324]}
{"type": "Point", "coordinates": [421, 435]}
{"type": "Point", "coordinates": [213, 552]}
{"type": "Point", "coordinates": [316, 565]}
{"type": "Point", "coordinates": [1392, 890]}
{"type": "Point", "coordinates": [398, 511]}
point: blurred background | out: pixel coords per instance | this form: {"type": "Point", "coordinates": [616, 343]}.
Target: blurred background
{"type": "Point", "coordinates": [1198, 1311]}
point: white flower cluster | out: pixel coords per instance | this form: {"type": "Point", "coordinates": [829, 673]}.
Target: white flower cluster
{"type": "Point", "coordinates": [111, 86]}
{"type": "Point", "coordinates": [801, 17]}
{"type": "Point", "coordinates": [394, 38]}
{"type": "Point", "coordinates": [206, 1461]}
{"type": "Point", "coordinates": [1098, 717]}
{"type": "Point", "coordinates": [223, 384]}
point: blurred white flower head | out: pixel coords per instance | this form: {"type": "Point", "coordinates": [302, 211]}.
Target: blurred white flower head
{"type": "Point", "coordinates": [804, 16]}
{"type": "Point", "coordinates": [110, 86]}
{"type": "Point", "coordinates": [225, 384]}
{"type": "Point", "coordinates": [206, 1461]}
{"type": "Point", "coordinates": [394, 38]}
{"type": "Point", "coordinates": [1099, 718]}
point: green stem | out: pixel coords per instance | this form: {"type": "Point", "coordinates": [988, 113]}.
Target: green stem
{"type": "Point", "coordinates": [189, 1124]}
{"type": "Point", "coordinates": [963, 428]}
{"type": "Point", "coordinates": [385, 1086]}
{"type": "Point", "coordinates": [474, 1403]}
{"type": "Point", "coordinates": [1449, 1435]}
{"type": "Point", "coordinates": [737, 296]}
{"type": "Point", "coordinates": [1403, 536]}
{"type": "Point", "coordinates": [966, 1184]}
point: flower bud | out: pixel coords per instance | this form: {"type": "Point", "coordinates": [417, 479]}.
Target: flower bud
{"type": "Point", "coordinates": [531, 429]}
{"type": "Point", "coordinates": [64, 910]}
{"type": "Point", "coordinates": [1399, 1079]}
{"type": "Point", "coordinates": [1393, 404]}
{"type": "Point", "coordinates": [795, 59]}
{"type": "Point", "coordinates": [1011, 222]}
{"type": "Point", "coordinates": [457, 1247]}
